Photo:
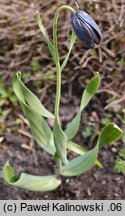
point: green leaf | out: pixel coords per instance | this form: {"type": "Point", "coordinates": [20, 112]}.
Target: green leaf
{"type": "Point", "coordinates": [76, 148]}
{"type": "Point", "coordinates": [86, 161]}
{"type": "Point", "coordinates": [81, 164]}
{"type": "Point", "coordinates": [73, 127]}
{"type": "Point", "coordinates": [88, 93]}
{"type": "Point", "coordinates": [30, 182]}
{"type": "Point", "coordinates": [60, 140]}
{"type": "Point", "coordinates": [72, 41]}
{"type": "Point", "coordinates": [26, 96]}
{"type": "Point", "coordinates": [42, 29]}
{"type": "Point", "coordinates": [109, 134]}
{"type": "Point", "coordinates": [40, 130]}
{"type": "Point", "coordinates": [34, 111]}
{"type": "Point", "coordinates": [80, 150]}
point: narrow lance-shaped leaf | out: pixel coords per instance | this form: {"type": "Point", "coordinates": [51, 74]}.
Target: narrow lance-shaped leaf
{"type": "Point", "coordinates": [40, 130]}
{"type": "Point", "coordinates": [80, 150]}
{"type": "Point", "coordinates": [72, 41]}
{"type": "Point", "coordinates": [73, 127]}
{"type": "Point", "coordinates": [30, 182]}
{"type": "Point", "coordinates": [88, 93]}
{"type": "Point", "coordinates": [25, 95]}
{"type": "Point", "coordinates": [60, 140]}
{"type": "Point", "coordinates": [33, 111]}
{"type": "Point", "coordinates": [83, 163]}
{"type": "Point", "coordinates": [42, 29]}
{"type": "Point", "coordinates": [110, 133]}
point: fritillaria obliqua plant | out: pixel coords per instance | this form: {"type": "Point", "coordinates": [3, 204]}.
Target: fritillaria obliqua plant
{"type": "Point", "coordinates": [58, 141]}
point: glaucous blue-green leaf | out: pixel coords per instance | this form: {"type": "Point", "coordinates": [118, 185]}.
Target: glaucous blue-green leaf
{"type": "Point", "coordinates": [43, 31]}
{"type": "Point", "coordinates": [73, 127]}
{"type": "Point", "coordinates": [25, 95]}
{"type": "Point", "coordinates": [80, 150]}
{"type": "Point", "coordinates": [60, 140]}
{"type": "Point", "coordinates": [76, 148]}
{"type": "Point", "coordinates": [81, 164]}
{"type": "Point", "coordinates": [72, 41]}
{"type": "Point", "coordinates": [88, 93]}
{"type": "Point", "coordinates": [30, 182]}
{"type": "Point", "coordinates": [40, 130]}
{"type": "Point", "coordinates": [109, 134]}
{"type": "Point", "coordinates": [39, 127]}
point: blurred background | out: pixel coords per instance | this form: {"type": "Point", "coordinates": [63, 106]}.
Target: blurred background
{"type": "Point", "coordinates": [22, 48]}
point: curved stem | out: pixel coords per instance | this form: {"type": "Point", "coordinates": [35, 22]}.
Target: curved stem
{"type": "Point", "coordinates": [57, 61]}
{"type": "Point", "coordinates": [58, 68]}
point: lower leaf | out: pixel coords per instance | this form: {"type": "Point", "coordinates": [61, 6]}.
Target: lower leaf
{"type": "Point", "coordinates": [30, 182]}
{"type": "Point", "coordinates": [80, 150]}
{"type": "Point", "coordinates": [81, 164]}
{"type": "Point", "coordinates": [60, 140]}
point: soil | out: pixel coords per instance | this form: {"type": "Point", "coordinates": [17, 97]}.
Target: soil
{"type": "Point", "coordinates": [96, 184]}
{"type": "Point", "coordinates": [26, 156]}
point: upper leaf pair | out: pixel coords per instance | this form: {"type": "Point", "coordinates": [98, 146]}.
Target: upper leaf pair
{"type": "Point", "coordinates": [50, 44]}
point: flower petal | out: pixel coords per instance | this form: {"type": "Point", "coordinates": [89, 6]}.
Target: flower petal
{"type": "Point", "coordinates": [82, 31]}
{"type": "Point", "coordinates": [88, 19]}
{"type": "Point", "coordinates": [86, 29]}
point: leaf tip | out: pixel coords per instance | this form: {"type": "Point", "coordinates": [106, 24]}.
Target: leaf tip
{"type": "Point", "coordinates": [37, 13]}
{"type": "Point", "coordinates": [109, 134]}
{"type": "Point", "coordinates": [116, 127]}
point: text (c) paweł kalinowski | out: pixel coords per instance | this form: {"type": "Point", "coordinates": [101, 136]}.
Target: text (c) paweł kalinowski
{"type": "Point", "coordinates": [61, 207]}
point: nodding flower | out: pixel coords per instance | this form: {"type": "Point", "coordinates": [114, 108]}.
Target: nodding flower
{"type": "Point", "coordinates": [86, 29]}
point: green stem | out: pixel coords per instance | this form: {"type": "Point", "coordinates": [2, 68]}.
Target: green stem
{"type": "Point", "coordinates": [57, 61]}
{"type": "Point", "coordinates": [59, 164]}
{"type": "Point", "coordinates": [58, 68]}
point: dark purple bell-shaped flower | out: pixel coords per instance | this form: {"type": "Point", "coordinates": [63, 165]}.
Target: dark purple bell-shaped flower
{"type": "Point", "coordinates": [86, 29]}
